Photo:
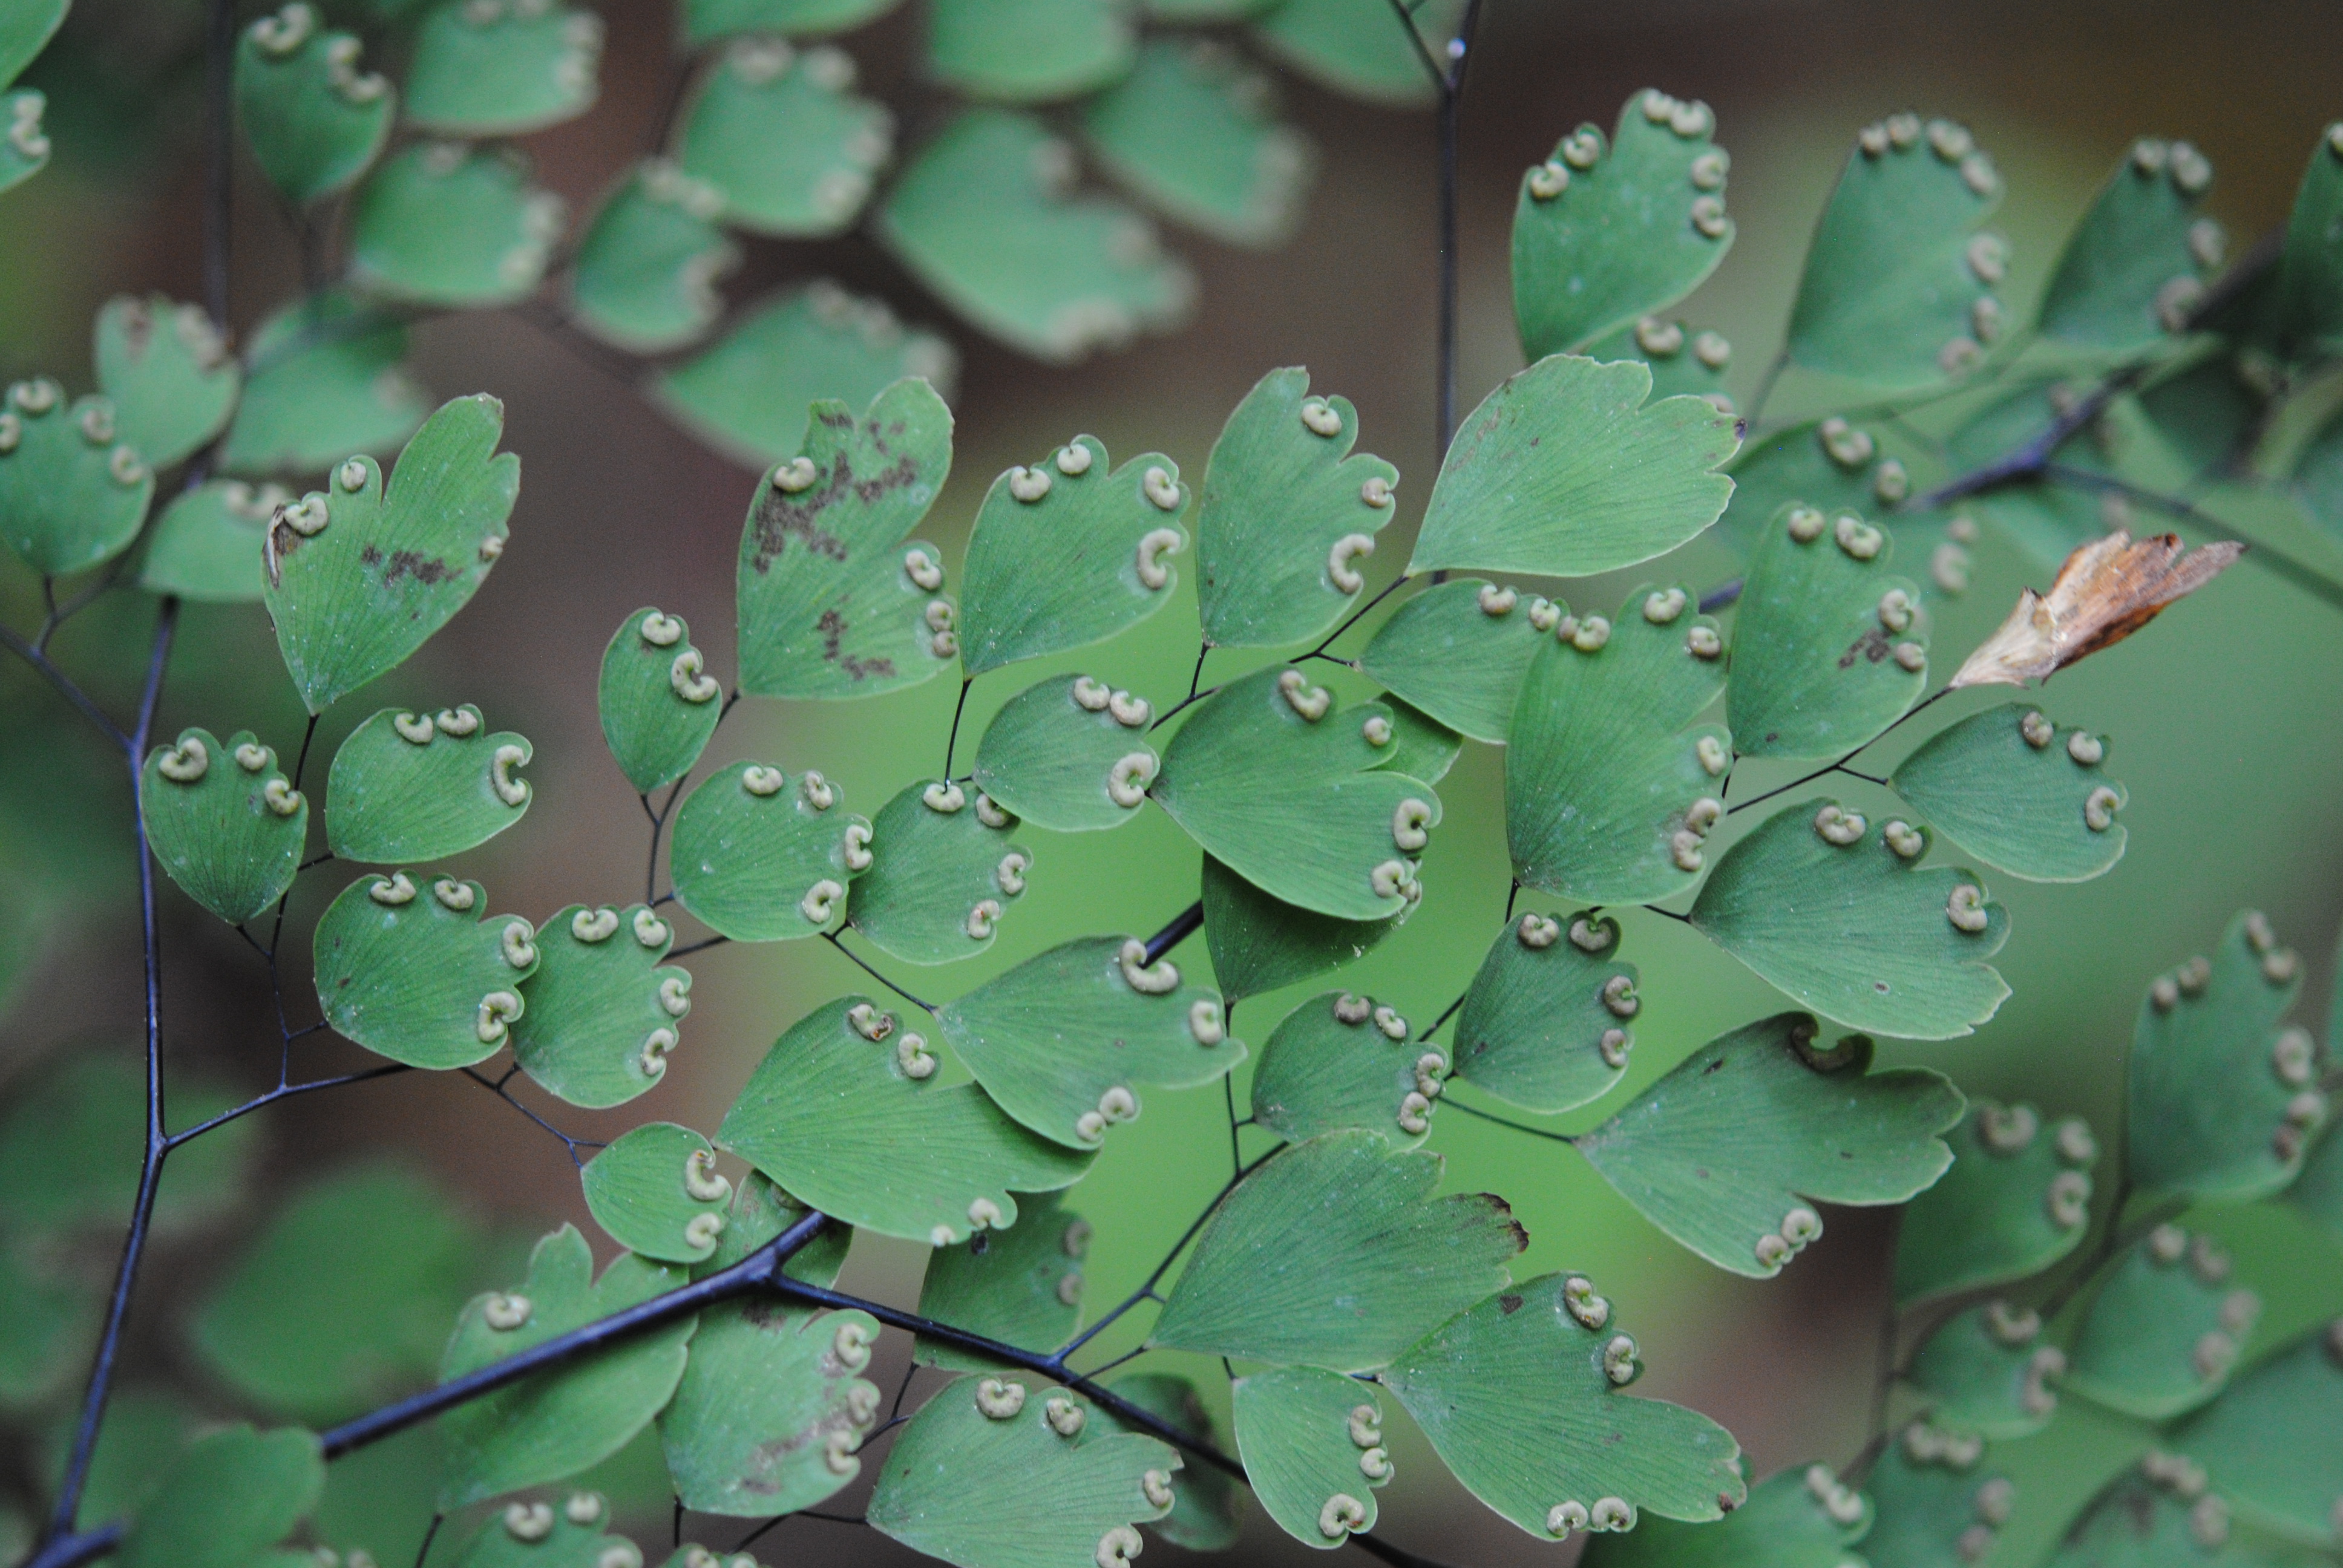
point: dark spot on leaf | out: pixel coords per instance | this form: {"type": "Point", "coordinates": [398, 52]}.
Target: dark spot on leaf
{"type": "Point", "coordinates": [1712, 1067]}
{"type": "Point", "coordinates": [1880, 986]}
{"type": "Point", "coordinates": [370, 556]}
{"type": "Point", "coordinates": [833, 627]}
{"type": "Point", "coordinates": [428, 570]}
{"type": "Point", "coordinates": [979, 1245]}
{"type": "Point", "coordinates": [1701, 1171]}
{"type": "Point", "coordinates": [1872, 645]}
{"type": "Point", "coordinates": [1509, 1303]}
{"type": "Point", "coordinates": [1726, 1502]}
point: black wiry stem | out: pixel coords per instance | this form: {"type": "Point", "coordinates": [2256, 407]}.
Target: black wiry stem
{"type": "Point", "coordinates": [1840, 765]}
{"type": "Point", "coordinates": [759, 1269]}
{"type": "Point", "coordinates": [158, 1144]}
{"type": "Point", "coordinates": [857, 959]}
{"type": "Point", "coordinates": [65, 685]}
{"type": "Point", "coordinates": [496, 1086]}
{"type": "Point", "coordinates": [951, 741]}
{"type": "Point", "coordinates": [1545, 1133]}
{"type": "Point", "coordinates": [1184, 924]}
{"type": "Point", "coordinates": [1056, 1363]}
{"type": "Point", "coordinates": [282, 1092]}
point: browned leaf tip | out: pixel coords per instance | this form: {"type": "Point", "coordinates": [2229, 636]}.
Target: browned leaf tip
{"type": "Point", "coordinates": [2107, 589]}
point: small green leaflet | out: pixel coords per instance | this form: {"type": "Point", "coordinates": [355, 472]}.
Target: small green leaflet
{"type": "Point", "coordinates": [1830, 464]}
{"type": "Point", "coordinates": [1290, 793]}
{"type": "Point", "coordinates": [25, 29]}
{"type": "Point", "coordinates": [1523, 1396]}
{"type": "Point", "coordinates": [2158, 1516]}
{"type": "Point", "coordinates": [1799, 1517]}
{"type": "Point", "coordinates": [1022, 1286]}
{"type": "Point", "coordinates": [601, 1013]}
{"type": "Point", "coordinates": [658, 706]}
{"type": "Point", "coordinates": [1068, 754]}
{"type": "Point", "coordinates": [562, 1421]}
{"type": "Point", "coordinates": [1459, 652]}
{"type": "Point", "coordinates": [1335, 1254]}
{"type": "Point", "coordinates": [1062, 1041]}
{"type": "Point", "coordinates": [2221, 1098]}
{"type": "Point", "coordinates": [993, 1438]}
{"type": "Point", "coordinates": [1721, 1151]}
{"type": "Point", "coordinates": [1544, 1025]}
{"type": "Point", "coordinates": [746, 395]}
{"type": "Point", "coordinates": [1829, 648]}
{"type": "Point", "coordinates": [1312, 1442]}
{"type": "Point", "coordinates": [1259, 943]}
{"type": "Point", "coordinates": [1564, 471]}
{"type": "Point", "coordinates": [343, 1298]}
{"type": "Point", "coordinates": [501, 67]}
{"type": "Point", "coordinates": [656, 1191]}
{"type": "Point", "coordinates": [647, 269]}
{"type": "Point", "coordinates": [833, 600]}
{"type": "Point", "coordinates": [2013, 1204]}
{"type": "Point", "coordinates": [1989, 1371]}
{"type": "Point", "coordinates": [1843, 921]}
{"type": "Point", "coordinates": [2019, 793]}
{"type": "Point", "coordinates": [1069, 552]}
{"type": "Point", "coordinates": [983, 216]}
{"type": "Point", "coordinates": [325, 381]}
{"type": "Point", "coordinates": [412, 787]}
{"type": "Point", "coordinates": [1932, 1505]}
{"type": "Point", "coordinates": [2268, 1443]}
{"type": "Point", "coordinates": [25, 150]}
{"type": "Point", "coordinates": [1898, 290]}
{"type": "Point", "coordinates": [1605, 234]}
{"type": "Point", "coordinates": [1340, 1061]}
{"type": "Point", "coordinates": [770, 1410]}
{"type": "Point", "coordinates": [444, 224]}
{"type": "Point", "coordinates": [1208, 1505]}
{"type": "Point", "coordinates": [232, 1494]}
{"type": "Point", "coordinates": [1662, 344]}
{"type": "Point", "coordinates": [170, 376]}
{"type": "Point", "coordinates": [362, 574]}
{"type": "Point", "coordinates": [71, 496]}
{"type": "Point", "coordinates": [1611, 790]}
{"type": "Point", "coordinates": [760, 861]}
{"type": "Point", "coordinates": [2306, 302]}
{"type": "Point", "coordinates": [943, 875]}
{"type": "Point", "coordinates": [781, 140]}
{"type": "Point", "coordinates": [846, 1115]}
{"type": "Point", "coordinates": [1193, 131]}
{"type": "Point", "coordinates": [1289, 512]}
{"type": "Point", "coordinates": [423, 976]}
{"type": "Point", "coordinates": [224, 820]}
{"type": "Point", "coordinates": [2204, 413]}
{"type": "Point", "coordinates": [2163, 1327]}
{"type": "Point", "coordinates": [313, 119]}
{"type": "Point", "coordinates": [1353, 47]}
{"type": "Point", "coordinates": [540, 1534]}
{"type": "Point", "coordinates": [1029, 51]}
{"type": "Point", "coordinates": [704, 20]}
{"type": "Point", "coordinates": [2135, 264]}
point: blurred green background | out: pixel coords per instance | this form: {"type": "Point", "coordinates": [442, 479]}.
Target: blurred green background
{"type": "Point", "coordinates": [2224, 716]}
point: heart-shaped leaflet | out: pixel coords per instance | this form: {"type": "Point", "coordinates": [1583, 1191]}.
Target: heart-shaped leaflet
{"type": "Point", "coordinates": [361, 575]}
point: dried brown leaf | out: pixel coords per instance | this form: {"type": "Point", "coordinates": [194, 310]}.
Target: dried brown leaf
{"type": "Point", "coordinates": [2106, 590]}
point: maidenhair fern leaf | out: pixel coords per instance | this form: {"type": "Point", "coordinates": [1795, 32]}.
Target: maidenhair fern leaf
{"type": "Point", "coordinates": [423, 975]}
{"type": "Point", "coordinates": [325, 381]}
{"type": "Point", "coordinates": [557, 1423]}
{"type": "Point", "coordinates": [224, 820]}
{"type": "Point", "coordinates": [71, 495]}
{"type": "Point", "coordinates": [944, 873]}
{"type": "Point", "coordinates": [2163, 1328]}
{"type": "Point", "coordinates": [1070, 754]}
{"type": "Point", "coordinates": [1312, 1447]}
{"type": "Point", "coordinates": [2135, 266]}
{"type": "Point", "coordinates": [1193, 132]}
{"type": "Point", "coordinates": [1335, 1254]}
{"type": "Point", "coordinates": [781, 139]}
{"type": "Point", "coordinates": [2019, 793]}
{"type": "Point", "coordinates": [442, 224]}
{"type": "Point", "coordinates": [846, 1114]}
{"type": "Point", "coordinates": [1898, 288]}
{"type": "Point", "coordinates": [1802, 1516]}
{"type": "Point", "coordinates": [654, 1189]}
{"type": "Point", "coordinates": [500, 67]}
{"type": "Point", "coordinates": [1565, 470]}
{"type": "Point", "coordinates": [1459, 652]}
{"type": "Point", "coordinates": [1029, 51]}
{"type": "Point", "coordinates": [1341, 1060]}
{"type": "Point", "coordinates": [1524, 1396]}
{"type": "Point", "coordinates": [232, 1494]}
{"type": "Point", "coordinates": [983, 216]}
{"type": "Point", "coordinates": [833, 600]}
{"type": "Point", "coordinates": [602, 1013]}
{"type": "Point", "coordinates": [166, 368]}
{"type": "Point", "coordinates": [761, 859]}
{"type": "Point", "coordinates": [2220, 1099]}
{"type": "Point", "coordinates": [1069, 552]}
{"type": "Point", "coordinates": [2016, 1200]}
{"type": "Point", "coordinates": [2267, 1443]}
{"type": "Point", "coordinates": [1606, 232]}
{"type": "Point", "coordinates": [646, 273]}
{"type": "Point", "coordinates": [1989, 1370]}
{"type": "Point", "coordinates": [1259, 943]}
{"type": "Point", "coordinates": [416, 787]}
{"type": "Point", "coordinates": [1290, 513]}
{"type": "Point", "coordinates": [1022, 1286]}
{"type": "Point", "coordinates": [314, 120]}
{"type": "Point", "coordinates": [1545, 1023]}
{"type": "Point", "coordinates": [1611, 789]}
{"type": "Point", "coordinates": [1723, 1151]}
